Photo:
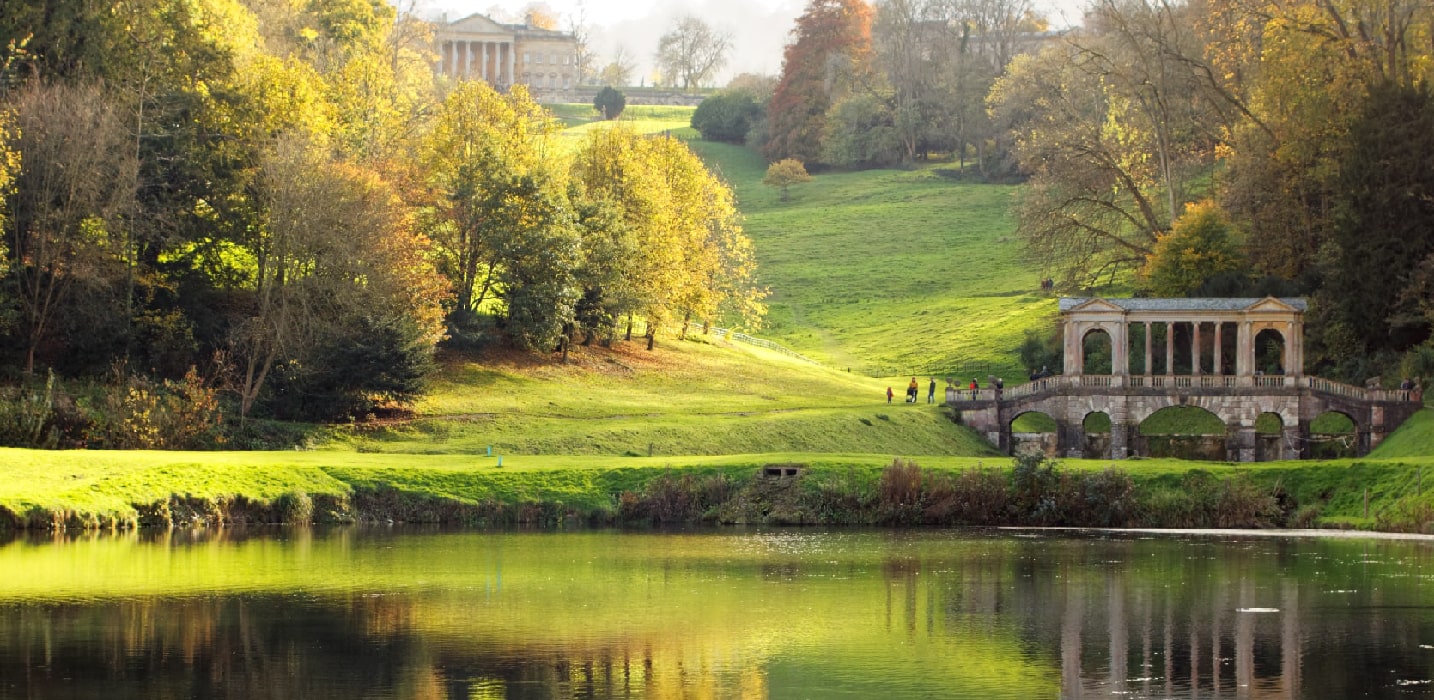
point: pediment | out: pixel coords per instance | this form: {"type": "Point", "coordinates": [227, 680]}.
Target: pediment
{"type": "Point", "coordinates": [1271, 304]}
{"type": "Point", "coordinates": [477, 24]}
{"type": "Point", "coordinates": [1095, 306]}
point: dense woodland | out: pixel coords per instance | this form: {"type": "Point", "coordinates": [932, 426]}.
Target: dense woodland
{"type": "Point", "coordinates": [273, 204]}
{"type": "Point", "coordinates": [1200, 148]}
{"type": "Point", "coordinates": [274, 207]}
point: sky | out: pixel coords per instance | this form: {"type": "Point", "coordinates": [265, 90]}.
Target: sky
{"type": "Point", "coordinates": [759, 28]}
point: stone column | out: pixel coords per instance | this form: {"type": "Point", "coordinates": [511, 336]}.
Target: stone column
{"type": "Point", "coordinates": [468, 59]}
{"type": "Point", "coordinates": [1244, 350]}
{"type": "Point", "coordinates": [1170, 348]}
{"type": "Point", "coordinates": [512, 63]}
{"type": "Point", "coordinates": [1074, 348]}
{"type": "Point", "coordinates": [1119, 439]}
{"type": "Point", "coordinates": [1297, 344]}
{"type": "Point", "coordinates": [1218, 340]}
{"type": "Point", "coordinates": [1195, 348]}
{"type": "Point", "coordinates": [1120, 428]}
{"type": "Point", "coordinates": [443, 61]}
{"type": "Point", "coordinates": [483, 71]}
{"type": "Point", "coordinates": [1120, 351]}
{"type": "Point", "coordinates": [1148, 369]}
{"type": "Point", "coordinates": [1239, 442]}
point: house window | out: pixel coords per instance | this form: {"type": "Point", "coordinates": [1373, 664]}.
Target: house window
{"type": "Point", "coordinates": [526, 57]}
{"type": "Point", "coordinates": [565, 60]}
{"type": "Point", "coordinates": [539, 58]}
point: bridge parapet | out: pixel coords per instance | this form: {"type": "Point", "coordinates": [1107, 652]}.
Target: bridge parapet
{"type": "Point", "coordinates": [1237, 400]}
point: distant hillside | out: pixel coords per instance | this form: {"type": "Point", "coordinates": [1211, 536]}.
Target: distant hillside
{"type": "Point", "coordinates": [890, 272]}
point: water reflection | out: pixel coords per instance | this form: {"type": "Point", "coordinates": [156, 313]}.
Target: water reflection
{"type": "Point", "coordinates": [789, 614]}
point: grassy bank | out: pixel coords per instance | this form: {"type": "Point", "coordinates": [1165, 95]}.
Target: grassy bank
{"type": "Point", "coordinates": [705, 396]}
{"type": "Point", "coordinates": [124, 489]}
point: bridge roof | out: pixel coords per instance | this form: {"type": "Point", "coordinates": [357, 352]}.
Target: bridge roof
{"type": "Point", "coordinates": [1176, 305]}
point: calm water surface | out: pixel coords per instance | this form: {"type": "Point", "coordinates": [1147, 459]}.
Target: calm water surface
{"type": "Point", "coordinates": [395, 613]}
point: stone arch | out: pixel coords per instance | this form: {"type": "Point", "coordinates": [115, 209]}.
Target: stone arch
{"type": "Point", "coordinates": [1334, 434]}
{"type": "Point", "coordinates": [1271, 349]}
{"type": "Point", "coordinates": [1034, 430]}
{"type": "Point", "coordinates": [1186, 432]}
{"type": "Point", "coordinates": [1096, 429]}
{"type": "Point", "coordinates": [1097, 351]}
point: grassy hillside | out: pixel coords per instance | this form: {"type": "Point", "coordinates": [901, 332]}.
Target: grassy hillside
{"type": "Point", "coordinates": [685, 398]}
{"type": "Point", "coordinates": [883, 272]}
{"type": "Point", "coordinates": [890, 272]}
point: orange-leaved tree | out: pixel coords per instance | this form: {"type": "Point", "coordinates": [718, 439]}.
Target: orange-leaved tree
{"type": "Point", "coordinates": [832, 38]}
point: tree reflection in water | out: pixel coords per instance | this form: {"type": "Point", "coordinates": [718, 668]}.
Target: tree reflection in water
{"type": "Point", "coordinates": [348, 614]}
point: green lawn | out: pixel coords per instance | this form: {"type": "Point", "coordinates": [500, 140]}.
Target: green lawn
{"type": "Point", "coordinates": [890, 272]}
{"type": "Point", "coordinates": [695, 397]}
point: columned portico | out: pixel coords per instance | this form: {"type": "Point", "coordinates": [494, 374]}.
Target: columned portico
{"type": "Point", "coordinates": [1250, 317]}
{"type": "Point", "coordinates": [1268, 378]}
{"type": "Point", "coordinates": [478, 48]}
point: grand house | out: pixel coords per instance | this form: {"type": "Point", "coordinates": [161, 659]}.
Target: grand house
{"type": "Point", "coordinates": [478, 48]}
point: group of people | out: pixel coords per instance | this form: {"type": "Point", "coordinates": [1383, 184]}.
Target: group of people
{"type": "Point", "coordinates": [913, 390]}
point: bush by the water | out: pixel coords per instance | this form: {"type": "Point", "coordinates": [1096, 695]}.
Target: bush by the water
{"type": "Point", "coordinates": [125, 412]}
{"type": "Point", "coordinates": [1035, 491]}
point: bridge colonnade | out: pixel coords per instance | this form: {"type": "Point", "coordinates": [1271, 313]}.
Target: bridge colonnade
{"type": "Point", "coordinates": [1230, 385]}
{"type": "Point", "coordinates": [1205, 323]}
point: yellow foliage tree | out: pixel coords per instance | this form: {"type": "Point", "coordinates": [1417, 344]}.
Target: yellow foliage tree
{"type": "Point", "coordinates": [1197, 249]}
{"type": "Point", "coordinates": [785, 173]}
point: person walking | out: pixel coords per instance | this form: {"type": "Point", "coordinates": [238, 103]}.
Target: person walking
{"type": "Point", "coordinates": [911, 390]}
{"type": "Point", "coordinates": [931, 391]}
{"type": "Point", "coordinates": [975, 389]}
{"type": "Point", "coordinates": [889, 394]}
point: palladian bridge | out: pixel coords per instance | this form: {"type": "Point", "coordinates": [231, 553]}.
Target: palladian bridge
{"type": "Point", "coordinates": [1240, 359]}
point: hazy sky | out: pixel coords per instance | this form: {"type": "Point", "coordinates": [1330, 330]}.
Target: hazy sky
{"type": "Point", "coordinates": [759, 28]}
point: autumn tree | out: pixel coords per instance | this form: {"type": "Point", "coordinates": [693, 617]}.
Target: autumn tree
{"type": "Point", "coordinates": [688, 257]}
{"type": "Point", "coordinates": [785, 173]}
{"type": "Point", "coordinates": [66, 212]}
{"type": "Point", "coordinates": [483, 143]}
{"type": "Point", "coordinates": [691, 52]}
{"type": "Point", "coordinates": [537, 251]}
{"type": "Point", "coordinates": [861, 132]}
{"type": "Point", "coordinates": [1302, 71]}
{"type": "Point", "coordinates": [938, 60]}
{"type": "Point", "coordinates": [1198, 248]}
{"type": "Point", "coordinates": [618, 71]}
{"type": "Point", "coordinates": [585, 60]}
{"type": "Point", "coordinates": [831, 42]}
{"type": "Point", "coordinates": [338, 272]}
{"type": "Point", "coordinates": [1116, 130]}
{"type": "Point", "coordinates": [540, 16]}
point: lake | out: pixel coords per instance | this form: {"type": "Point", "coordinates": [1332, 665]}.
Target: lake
{"type": "Point", "coordinates": [720, 613]}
